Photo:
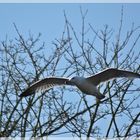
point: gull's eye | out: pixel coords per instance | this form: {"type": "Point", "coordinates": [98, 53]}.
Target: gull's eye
{"type": "Point", "coordinates": [73, 78]}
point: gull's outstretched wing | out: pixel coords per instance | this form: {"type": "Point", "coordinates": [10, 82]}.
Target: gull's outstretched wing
{"type": "Point", "coordinates": [45, 84]}
{"type": "Point", "coordinates": [110, 74]}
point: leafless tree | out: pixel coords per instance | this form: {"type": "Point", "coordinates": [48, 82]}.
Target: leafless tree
{"type": "Point", "coordinates": [64, 110]}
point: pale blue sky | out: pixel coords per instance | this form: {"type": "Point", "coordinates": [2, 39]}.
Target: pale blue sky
{"type": "Point", "coordinates": [49, 20]}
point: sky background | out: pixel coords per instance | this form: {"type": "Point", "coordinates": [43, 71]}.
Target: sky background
{"type": "Point", "coordinates": [48, 19]}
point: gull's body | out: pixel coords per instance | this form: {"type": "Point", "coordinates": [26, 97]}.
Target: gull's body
{"type": "Point", "coordinates": [86, 85]}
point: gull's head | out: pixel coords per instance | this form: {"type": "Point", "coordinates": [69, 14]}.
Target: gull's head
{"type": "Point", "coordinates": [77, 79]}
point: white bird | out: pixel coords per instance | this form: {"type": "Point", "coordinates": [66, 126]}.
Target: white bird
{"type": "Point", "coordinates": [86, 85]}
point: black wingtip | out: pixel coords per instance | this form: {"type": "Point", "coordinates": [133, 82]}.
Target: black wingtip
{"type": "Point", "coordinates": [26, 93]}
{"type": "Point", "coordinates": [22, 95]}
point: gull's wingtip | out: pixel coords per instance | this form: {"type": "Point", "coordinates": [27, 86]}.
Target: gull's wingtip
{"type": "Point", "coordinates": [26, 93]}
{"type": "Point", "coordinates": [22, 95]}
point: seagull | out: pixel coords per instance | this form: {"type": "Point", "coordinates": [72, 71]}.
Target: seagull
{"type": "Point", "coordinates": [87, 85]}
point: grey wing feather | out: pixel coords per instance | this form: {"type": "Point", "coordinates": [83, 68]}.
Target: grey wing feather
{"type": "Point", "coordinates": [45, 84]}
{"type": "Point", "coordinates": [110, 74]}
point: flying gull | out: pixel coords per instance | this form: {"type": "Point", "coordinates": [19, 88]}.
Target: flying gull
{"type": "Point", "coordinates": [86, 85]}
